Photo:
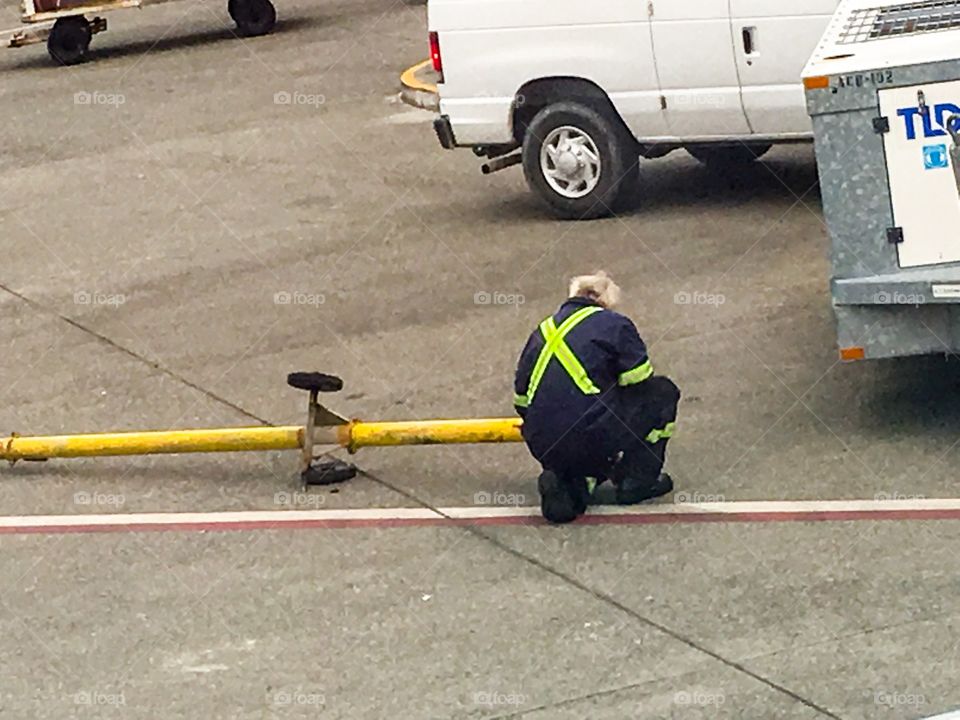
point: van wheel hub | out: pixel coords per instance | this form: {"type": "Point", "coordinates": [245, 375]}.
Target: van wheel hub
{"type": "Point", "coordinates": [570, 162]}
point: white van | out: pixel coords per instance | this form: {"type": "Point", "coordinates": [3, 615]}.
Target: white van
{"type": "Point", "coordinates": [581, 90]}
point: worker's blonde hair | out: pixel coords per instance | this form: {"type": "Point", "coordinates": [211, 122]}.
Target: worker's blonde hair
{"type": "Point", "coordinates": [599, 287]}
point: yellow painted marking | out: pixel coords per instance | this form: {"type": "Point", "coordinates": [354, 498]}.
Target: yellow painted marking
{"type": "Point", "coordinates": [409, 78]}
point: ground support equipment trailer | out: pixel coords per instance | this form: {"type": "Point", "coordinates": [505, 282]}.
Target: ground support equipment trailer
{"type": "Point", "coordinates": [883, 89]}
{"type": "Point", "coordinates": [68, 40]}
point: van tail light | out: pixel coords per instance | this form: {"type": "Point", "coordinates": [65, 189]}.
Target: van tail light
{"type": "Point", "coordinates": [435, 54]}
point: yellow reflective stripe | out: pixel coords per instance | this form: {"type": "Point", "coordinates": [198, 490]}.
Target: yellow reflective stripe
{"type": "Point", "coordinates": [521, 401]}
{"type": "Point", "coordinates": [554, 345]}
{"type": "Point", "coordinates": [575, 370]}
{"type": "Point", "coordinates": [661, 434]}
{"type": "Point", "coordinates": [636, 375]}
{"type": "Point", "coordinates": [567, 325]}
{"type": "Point", "coordinates": [547, 329]}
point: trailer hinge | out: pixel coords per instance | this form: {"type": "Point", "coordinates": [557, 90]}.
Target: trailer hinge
{"type": "Point", "coordinates": [895, 235]}
{"type": "Point", "coordinates": [663, 102]}
{"type": "Point", "coordinates": [650, 8]}
{"type": "Point", "coordinates": [881, 125]}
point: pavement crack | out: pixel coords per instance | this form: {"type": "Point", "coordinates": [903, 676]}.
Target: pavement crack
{"type": "Point", "coordinates": [852, 635]}
{"type": "Point", "coordinates": [613, 602]}
{"type": "Point", "coordinates": [594, 694]}
{"type": "Point", "coordinates": [676, 635]}
{"type": "Point", "coordinates": [153, 364]}
{"type": "Point", "coordinates": [581, 698]}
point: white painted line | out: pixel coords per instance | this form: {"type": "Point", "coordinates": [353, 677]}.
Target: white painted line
{"type": "Point", "coordinates": [264, 517]}
{"type": "Point", "coordinates": [741, 512]}
{"type": "Point", "coordinates": [952, 715]}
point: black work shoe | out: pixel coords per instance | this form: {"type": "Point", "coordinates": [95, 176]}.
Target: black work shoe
{"type": "Point", "coordinates": [582, 491]}
{"type": "Point", "coordinates": [631, 492]}
{"type": "Point", "coordinates": [556, 499]}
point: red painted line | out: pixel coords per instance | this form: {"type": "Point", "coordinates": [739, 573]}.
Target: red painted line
{"type": "Point", "coordinates": [711, 517]}
{"type": "Point", "coordinates": [768, 517]}
{"type": "Point", "coordinates": [508, 520]}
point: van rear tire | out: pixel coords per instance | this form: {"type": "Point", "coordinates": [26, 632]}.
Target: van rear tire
{"type": "Point", "coordinates": [579, 161]}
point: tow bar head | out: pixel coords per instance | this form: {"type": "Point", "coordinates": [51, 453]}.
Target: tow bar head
{"type": "Point", "coordinates": [322, 472]}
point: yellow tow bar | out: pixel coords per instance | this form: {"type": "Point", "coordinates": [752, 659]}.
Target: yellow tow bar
{"type": "Point", "coordinates": [352, 436]}
{"type": "Point", "coordinates": [323, 428]}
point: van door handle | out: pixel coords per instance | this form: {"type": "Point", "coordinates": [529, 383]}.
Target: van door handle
{"type": "Point", "coordinates": [750, 40]}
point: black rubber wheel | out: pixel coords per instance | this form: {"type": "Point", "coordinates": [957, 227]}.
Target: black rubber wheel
{"type": "Point", "coordinates": [616, 152]}
{"type": "Point", "coordinates": [69, 40]}
{"type": "Point", "coordinates": [726, 155]}
{"type": "Point", "coordinates": [321, 382]}
{"type": "Point", "coordinates": [330, 472]}
{"type": "Point", "coordinates": [253, 17]}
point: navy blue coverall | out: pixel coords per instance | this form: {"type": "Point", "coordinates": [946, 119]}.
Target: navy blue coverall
{"type": "Point", "coordinates": [586, 391]}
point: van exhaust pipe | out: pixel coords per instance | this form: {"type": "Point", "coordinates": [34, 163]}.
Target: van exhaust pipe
{"type": "Point", "coordinates": [501, 163]}
{"type": "Point", "coordinates": [492, 152]}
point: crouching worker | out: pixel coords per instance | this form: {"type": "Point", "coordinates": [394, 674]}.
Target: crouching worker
{"type": "Point", "coordinates": [592, 408]}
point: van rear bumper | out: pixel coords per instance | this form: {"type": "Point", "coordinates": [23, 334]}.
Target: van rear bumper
{"type": "Point", "coordinates": [444, 131]}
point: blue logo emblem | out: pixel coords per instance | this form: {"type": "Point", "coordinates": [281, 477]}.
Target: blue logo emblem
{"type": "Point", "coordinates": [935, 156]}
{"type": "Point", "coordinates": [932, 122]}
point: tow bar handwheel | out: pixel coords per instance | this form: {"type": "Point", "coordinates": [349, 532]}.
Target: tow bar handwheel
{"type": "Point", "coordinates": [253, 17]}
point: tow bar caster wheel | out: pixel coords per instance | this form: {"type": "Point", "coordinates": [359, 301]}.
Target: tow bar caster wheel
{"type": "Point", "coordinates": [329, 472]}
{"type": "Point", "coordinates": [323, 472]}
{"type": "Point", "coordinates": [253, 17]}
{"type": "Point", "coordinates": [69, 40]}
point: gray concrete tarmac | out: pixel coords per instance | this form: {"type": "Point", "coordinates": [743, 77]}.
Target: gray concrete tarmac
{"type": "Point", "coordinates": [149, 237]}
